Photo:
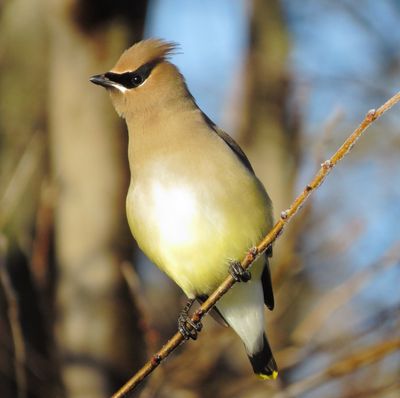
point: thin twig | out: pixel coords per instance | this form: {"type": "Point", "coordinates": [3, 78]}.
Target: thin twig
{"type": "Point", "coordinates": [132, 280]}
{"type": "Point", "coordinates": [255, 252]}
{"type": "Point", "coordinates": [41, 244]}
{"type": "Point", "coordinates": [342, 367]}
{"type": "Point", "coordinates": [294, 354]}
{"type": "Point", "coordinates": [15, 325]}
{"type": "Point", "coordinates": [339, 296]}
{"type": "Point", "coordinates": [20, 178]}
{"type": "Point", "coordinates": [379, 391]}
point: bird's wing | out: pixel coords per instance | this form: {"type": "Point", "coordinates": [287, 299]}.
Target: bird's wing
{"type": "Point", "coordinates": [235, 148]}
{"type": "Point", "coordinates": [267, 283]}
{"type": "Point", "coordinates": [230, 142]}
{"type": "Point", "coordinates": [266, 275]}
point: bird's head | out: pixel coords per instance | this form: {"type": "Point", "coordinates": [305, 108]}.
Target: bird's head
{"type": "Point", "coordinates": [142, 78]}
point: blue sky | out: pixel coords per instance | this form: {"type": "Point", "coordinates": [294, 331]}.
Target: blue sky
{"type": "Point", "coordinates": [213, 38]}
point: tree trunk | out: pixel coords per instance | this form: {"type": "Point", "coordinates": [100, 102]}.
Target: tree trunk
{"type": "Point", "coordinates": [96, 327]}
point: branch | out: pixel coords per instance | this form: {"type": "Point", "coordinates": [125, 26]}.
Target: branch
{"type": "Point", "coordinates": [342, 367]}
{"type": "Point", "coordinates": [20, 178]}
{"type": "Point", "coordinates": [15, 324]}
{"type": "Point", "coordinates": [339, 295]}
{"type": "Point", "coordinates": [255, 252]}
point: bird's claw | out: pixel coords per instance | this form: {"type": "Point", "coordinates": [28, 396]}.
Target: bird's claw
{"type": "Point", "coordinates": [238, 273]}
{"type": "Point", "coordinates": [188, 328]}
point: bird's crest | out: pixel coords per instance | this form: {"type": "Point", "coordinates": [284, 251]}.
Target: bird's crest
{"type": "Point", "coordinates": [144, 52]}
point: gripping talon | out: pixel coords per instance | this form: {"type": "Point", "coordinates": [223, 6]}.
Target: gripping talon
{"type": "Point", "coordinates": [238, 272]}
{"type": "Point", "coordinates": [188, 328]}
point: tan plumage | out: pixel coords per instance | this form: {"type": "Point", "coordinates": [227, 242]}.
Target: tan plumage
{"type": "Point", "coordinates": [143, 52]}
{"type": "Point", "coordinates": [194, 202]}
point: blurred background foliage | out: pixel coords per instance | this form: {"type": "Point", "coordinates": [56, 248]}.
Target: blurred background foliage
{"type": "Point", "coordinates": [80, 307]}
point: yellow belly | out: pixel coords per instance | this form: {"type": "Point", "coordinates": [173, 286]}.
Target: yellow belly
{"type": "Point", "coordinates": [191, 230]}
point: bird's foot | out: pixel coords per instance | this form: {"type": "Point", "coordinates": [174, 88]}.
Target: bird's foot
{"type": "Point", "coordinates": [238, 273]}
{"type": "Point", "coordinates": [186, 326]}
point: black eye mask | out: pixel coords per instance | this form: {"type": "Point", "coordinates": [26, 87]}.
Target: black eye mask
{"type": "Point", "coordinates": [135, 78]}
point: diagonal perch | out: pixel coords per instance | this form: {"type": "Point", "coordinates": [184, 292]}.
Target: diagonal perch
{"type": "Point", "coordinates": [246, 262]}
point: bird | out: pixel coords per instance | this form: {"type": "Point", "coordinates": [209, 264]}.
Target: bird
{"type": "Point", "coordinates": [194, 203]}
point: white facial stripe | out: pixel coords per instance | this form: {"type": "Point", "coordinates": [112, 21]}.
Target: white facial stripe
{"type": "Point", "coordinates": [119, 87]}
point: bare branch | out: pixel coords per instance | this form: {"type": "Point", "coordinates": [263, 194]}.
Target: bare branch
{"type": "Point", "coordinates": [255, 252]}
{"type": "Point", "coordinates": [15, 325]}
{"type": "Point", "coordinates": [19, 180]}
{"type": "Point", "coordinates": [340, 295]}
{"type": "Point", "coordinates": [342, 367]}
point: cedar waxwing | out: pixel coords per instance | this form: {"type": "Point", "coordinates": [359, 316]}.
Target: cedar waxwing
{"type": "Point", "coordinates": [194, 203]}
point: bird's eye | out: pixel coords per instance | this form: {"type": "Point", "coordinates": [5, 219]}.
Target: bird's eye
{"type": "Point", "coordinates": [132, 79]}
{"type": "Point", "coordinates": [136, 79]}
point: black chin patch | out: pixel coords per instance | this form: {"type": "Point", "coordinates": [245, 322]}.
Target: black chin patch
{"type": "Point", "coordinates": [135, 78]}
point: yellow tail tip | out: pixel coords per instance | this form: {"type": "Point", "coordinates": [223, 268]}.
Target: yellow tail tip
{"type": "Point", "coordinates": [268, 377]}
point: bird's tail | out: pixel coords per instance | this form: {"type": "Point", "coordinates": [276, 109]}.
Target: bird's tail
{"type": "Point", "coordinates": [263, 362]}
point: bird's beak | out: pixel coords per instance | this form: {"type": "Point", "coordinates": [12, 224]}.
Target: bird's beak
{"type": "Point", "coordinates": [101, 80]}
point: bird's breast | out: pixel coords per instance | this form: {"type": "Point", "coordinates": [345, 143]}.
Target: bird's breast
{"type": "Point", "coordinates": [171, 210]}
{"type": "Point", "coordinates": [190, 224]}
{"type": "Point", "coordinates": [172, 221]}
